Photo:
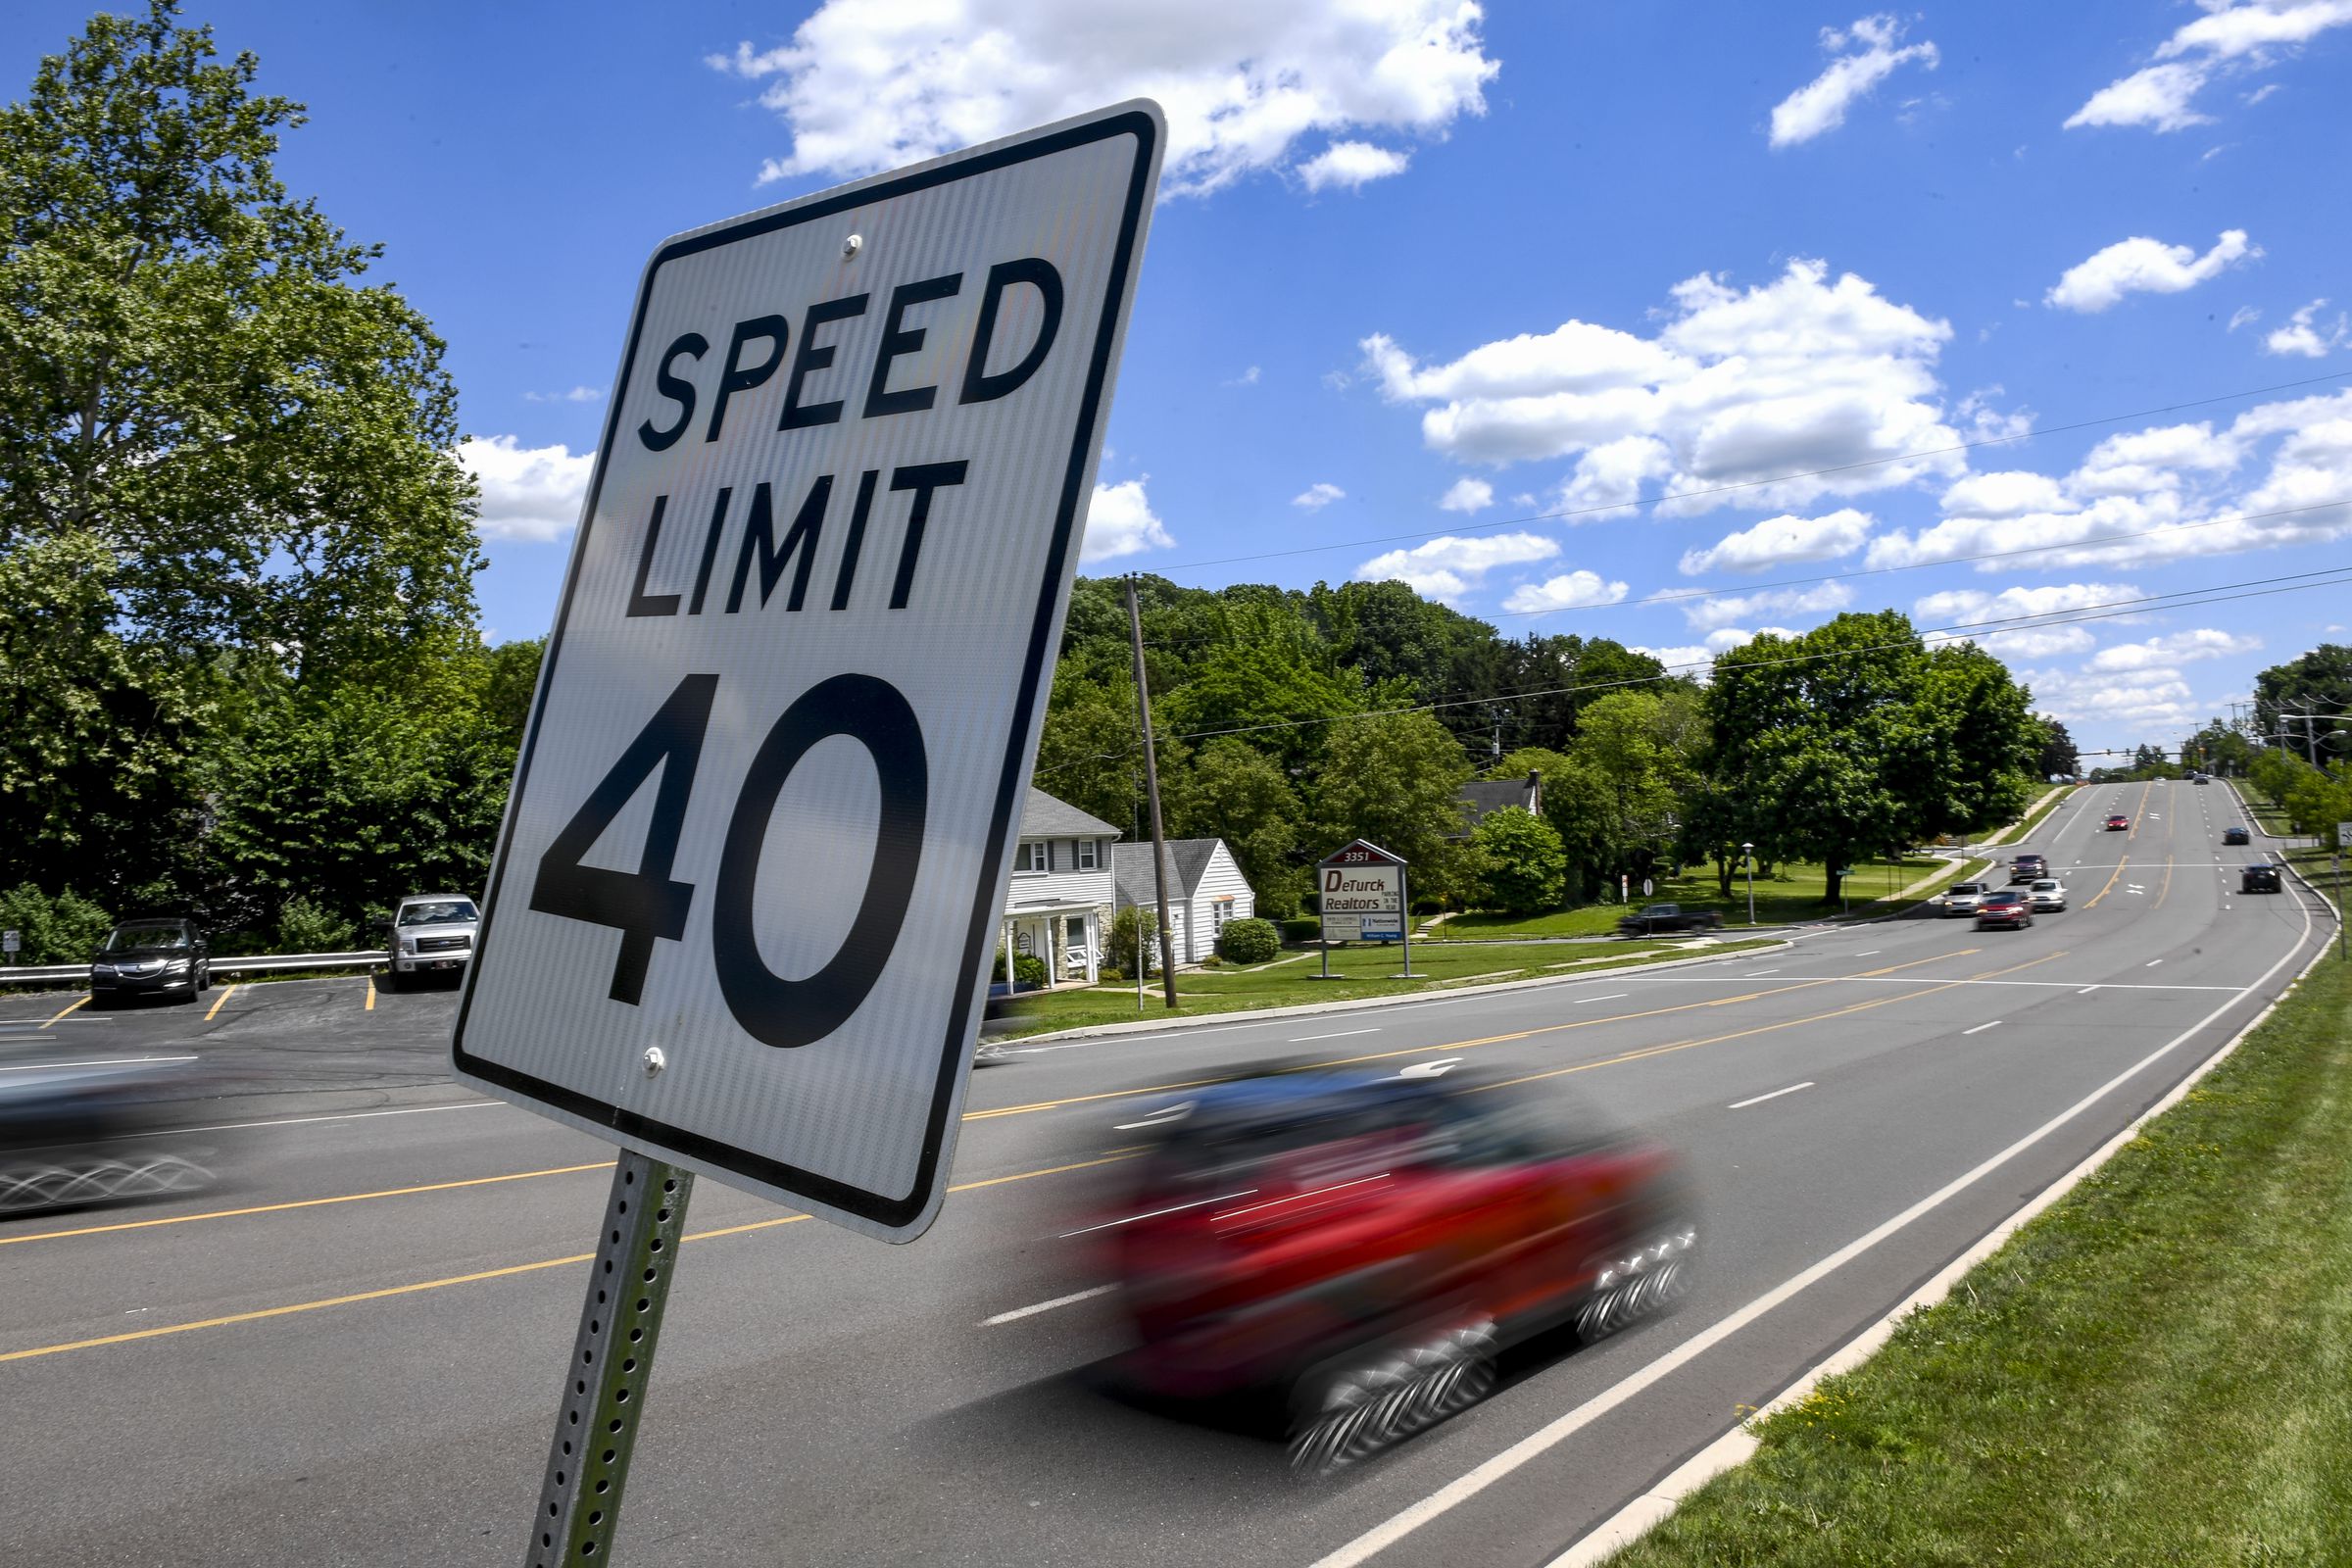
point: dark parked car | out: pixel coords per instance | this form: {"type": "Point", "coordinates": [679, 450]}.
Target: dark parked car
{"type": "Point", "coordinates": [1658, 919]}
{"type": "Point", "coordinates": [2236, 835]}
{"type": "Point", "coordinates": [2004, 907]}
{"type": "Point", "coordinates": [2260, 876]}
{"type": "Point", "coordinates": [1354, 1251]}
{"type": "Point", "coordinates": [151, 957]}
{"type": "Point", "coordinates": [2027, 868]}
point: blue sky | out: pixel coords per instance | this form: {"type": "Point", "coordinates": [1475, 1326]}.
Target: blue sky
{"type": "Point", "coordinates": [1425, 272]}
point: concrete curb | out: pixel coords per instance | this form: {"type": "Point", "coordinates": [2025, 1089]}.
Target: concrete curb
{"type": "Point", "coordinates": [1360, 1004]}
{"type": "Point", "coordinates": [1736, 1446]}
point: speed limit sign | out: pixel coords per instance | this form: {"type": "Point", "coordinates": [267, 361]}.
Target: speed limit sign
{"type": "Point", "coordinates": [747, 893]}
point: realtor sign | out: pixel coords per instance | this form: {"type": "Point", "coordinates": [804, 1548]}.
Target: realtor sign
{"type": "Point", "coordinates": [1362, 889]}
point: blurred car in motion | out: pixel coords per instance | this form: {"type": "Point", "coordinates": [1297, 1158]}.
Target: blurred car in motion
{"type": "Point", "coordinates": [1352, 1250]}
{"type": "Point", "coordinates": [1664, 919]}
{"type": "Point", "coordinates": [2027, 868]}
{"type": "Point", "coordinates": [2004, 907]}
{"type": "Point", "coordinates": [2260, 876]}
{"type": "Point", "coordinates": [429, 934]}
{"type": "Point", "coordinates": [2046, 897]}
{"type": "Point", "coordinates": [151, 957]}
{"type": "Point", "coordinates": [1961, 897]}
{"type": "Point", "coordinates": [2118, 823]}
{"type": "Point", "coordinates": [82, 1133]}
{"type": "Point", "coordinates": [2236, 835]}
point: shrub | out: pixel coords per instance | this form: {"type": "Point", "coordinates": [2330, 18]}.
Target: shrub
{"type": "Point", "coordinates": [66, 929]}
{"type": "Point", "coordinates": [1111, 977]}
{"type": "Point", "coordinates": [307, 927]}
{"type": "Point", "coordinates": [1248, 940]}
{"type": "Point", "coordinates": [1306, 928]}
{"type": "Point", "coordinates": [1027, 971]}
{"type": "Point", "coordinates": [1211, 961]}
{"type": "Point", "coordinates": [1123, 939]}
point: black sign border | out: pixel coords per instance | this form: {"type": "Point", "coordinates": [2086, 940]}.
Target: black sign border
{"type": "Point", "coordinates": [880, 1208]}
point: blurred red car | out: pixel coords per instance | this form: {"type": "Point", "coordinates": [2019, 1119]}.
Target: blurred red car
{"type": "Point", "coordinates": [2118, 823]}
{"type": "Point", "coordinates": [1358, 1249]}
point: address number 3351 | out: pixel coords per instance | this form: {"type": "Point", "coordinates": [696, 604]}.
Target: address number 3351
{"type": "Point", "coordinates": [647, 903]}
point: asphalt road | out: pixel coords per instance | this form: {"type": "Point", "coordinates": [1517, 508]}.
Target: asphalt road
{"type": "Point", "coordinates": [349, 1352]}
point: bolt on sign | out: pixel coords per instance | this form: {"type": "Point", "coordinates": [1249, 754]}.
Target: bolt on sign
{"type": "Point", "coordinates": [744, 904]}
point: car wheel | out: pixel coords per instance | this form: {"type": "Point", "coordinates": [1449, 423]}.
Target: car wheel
{"type": "Point", "coordinates": [204, 978]}
{"type": "Point", "coordinates": [1367, 1405]}
{"type": "Point", "coordinates": [1647, 1277]}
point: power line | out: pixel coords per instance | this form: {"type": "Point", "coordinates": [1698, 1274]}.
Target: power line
{"type": "Point", "coordinates": [1752, 484]}
{"type": "Point", "coordinates": [2107, 610]}
{"type": "Point", "coordinates": [1676, 595]}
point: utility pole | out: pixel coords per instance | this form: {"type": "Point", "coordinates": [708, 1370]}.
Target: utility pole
{"type": "Point", "coordinates": [1160, 840]}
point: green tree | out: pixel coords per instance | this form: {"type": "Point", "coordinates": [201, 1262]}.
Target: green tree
{"type": "Point", "coordinates": [1235, 792]}
{"type": "Point", "coordinates": [221, 454]}
{"type": "Point", "coordinates": [1522, 868]}
{"type": "Point", "coordinates": [1091, 752]}
{"type": "Point", "coordinates": [1391, 778]}
{"type": "Point", "coordinates": [1969, 767]}
{"type": "Point", "coordinates": [2054, 749]}
{"type": "Point", "coordinates": [1132, 929]}
{"type": "Point", "coordinates": [65, 929]}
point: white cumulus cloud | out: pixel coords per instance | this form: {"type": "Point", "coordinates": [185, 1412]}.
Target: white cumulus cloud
{"type": "Point", "coordinates": [1467, 495]}
{"type": "Point", "coordinates": [1315, 497]}
{"type": "Point", "coordinates": [2308, 336]}
{"type": "Point", "coordinates": [1705, 615]}
{"type": "Point", "coordinates": [1448, 567]}
{"type": "Point", "coordinates": [864, 85]}
{"type": "Point", "coordinates": [1120, 522]}
{"type": "Point", "coordinates": [1351, 165]}
{"type": "Point", "coordinates": [1782, 541]}
{"type": "Point", "coordinates": [2142, 266]}
{"type": "Point", "coordinates": [1573, 590]}
{"type": "Point", "coordinates": [528, 493]}
{"type": "Point", "coordinates": [2168, 652]}
{"type": "Point", "coordinates": [1758, 387]}
{"type": "Point", "coordinates": [1862, 56]}
{"type": "Point", "coordinates": [2228, 38]}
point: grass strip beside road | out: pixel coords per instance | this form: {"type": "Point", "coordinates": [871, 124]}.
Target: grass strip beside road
{"type": "Point", "coordinates": [1357, 972]}
{"type": "Point", "coordinates": [2159, 1369]}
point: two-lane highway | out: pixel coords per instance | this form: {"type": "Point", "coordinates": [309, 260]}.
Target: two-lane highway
{"type": "Point", "coordinates": [349, 1354]}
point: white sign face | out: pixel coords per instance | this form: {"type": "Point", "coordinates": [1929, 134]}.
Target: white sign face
{"type": "Point", "coordinates": [746, 893]}
{"type": "Point", "coordinates": [1363, 895]}
{"type": "Point", "coordinates": [2343, 835]}
{"type": "Point", "coordinates": [8, 942]}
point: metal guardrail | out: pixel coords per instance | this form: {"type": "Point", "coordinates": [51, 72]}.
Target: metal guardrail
{"type": "Point", "coordinates": [257, 964]}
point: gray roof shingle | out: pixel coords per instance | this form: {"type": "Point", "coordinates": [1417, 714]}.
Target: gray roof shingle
{"type": "Point", "coordinates": [1131, 870]}
{"type": "Point", "coordinates": [1044, 817]}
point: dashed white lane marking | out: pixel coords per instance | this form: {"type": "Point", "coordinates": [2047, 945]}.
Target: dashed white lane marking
{"type": "Point", "coordinates": [1300, 1040]}
{"type": "Point", "coordinates": [1981, 1028]}
{"type": "Point", "coordinates": [1872, 954]}
{"type": "Point", "coordinates": [1614, 996]}
{"type": "Point", "coordinates": [1758, 974]}
{"type": "Point", "coordinates": [1071, 1300]}
{"type": "Point", "coordinates": [1742, 1105]}
{"type": "Point", "coordinates": [2151, 963]}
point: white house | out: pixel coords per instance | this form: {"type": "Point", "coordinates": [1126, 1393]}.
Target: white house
{"type": "Point", "coordinates": [1206, 890]}
{"type": "Point", "coordinates": [1057, 906]}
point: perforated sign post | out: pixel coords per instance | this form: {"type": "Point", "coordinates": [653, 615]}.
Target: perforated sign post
{"type": "Point", "coordinates": [743, 907]}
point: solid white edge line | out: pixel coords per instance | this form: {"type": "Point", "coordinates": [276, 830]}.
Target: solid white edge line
{"type": "Point", "coordinates": [296, 1121]}
{"type": "Point", "coordinates": [1742, 1105]}
{"type": "Point", "coordinates": [1737, 1446]}
{"type": "Point", "coordinates": [1981, 1028]}
{"type": "Point", "coordinates": [1071, 1300]}
{"type": "Point", "coordinates": [1557, 1431]}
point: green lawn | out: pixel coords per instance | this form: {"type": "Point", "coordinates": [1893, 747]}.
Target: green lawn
{"type": "Point", "coordinates": [2158, 1370]}
{"type": "Point", "coordinates": [1357, 972]}
{"type": "Point", "coordinates": [1795, 895]}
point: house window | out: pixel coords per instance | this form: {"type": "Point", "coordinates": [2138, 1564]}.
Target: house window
{"type": "Point", "coordinates": [1032, 857]}
{"type": "Point", "coordinates": [1086, 855]}
{"type": "Point", "coordinates": [1221, 912]}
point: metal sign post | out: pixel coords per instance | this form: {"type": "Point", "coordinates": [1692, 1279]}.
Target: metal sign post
{"type": "Point", "coordinates": [1404, 900]}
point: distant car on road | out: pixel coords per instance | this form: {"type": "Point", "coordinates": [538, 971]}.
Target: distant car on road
{"type": "Point", "coordinates": [2236, 835]}
{"type": "Point", "coordinates": [429, 933]}
{"type": "Point", "coordinates": [2004, 907]}
{"type": "Point", "coordinates": [151, 957]}
{"type": "Point", "coordinates": [1660, 919]}
{"type": "Point", "coordinates": [1961, 896]}
{"type": "Point", "coordinates": [2198, 778]}
{"type": "Point", "coordinates": [2027, 868]}
{"type": "Point", "coordinates": [2260, 876]}
{"type": "Point", "coordinates": [2118, 823]}
{"type": "Point", "coordinates": [2046, 897]}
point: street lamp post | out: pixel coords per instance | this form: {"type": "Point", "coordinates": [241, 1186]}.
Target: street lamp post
{"type": "Point", "coordinates": [1747, 853]}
